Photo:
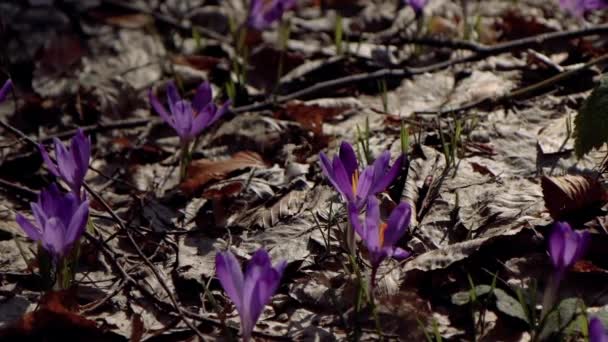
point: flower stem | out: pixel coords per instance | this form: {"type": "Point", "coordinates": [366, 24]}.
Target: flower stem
{"type": "Point", "coordinates": [185, 158]}
{"type": "Point", "coordinates": [550, 294]}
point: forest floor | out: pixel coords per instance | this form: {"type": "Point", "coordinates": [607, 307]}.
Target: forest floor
{"type": "Point", "coordinates": [488, 102]}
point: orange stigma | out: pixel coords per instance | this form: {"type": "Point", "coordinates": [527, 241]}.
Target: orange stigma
{"type": "Point", "coordinates": [381, 232]}
{"type": "Point", "coordinates": [355, 181]}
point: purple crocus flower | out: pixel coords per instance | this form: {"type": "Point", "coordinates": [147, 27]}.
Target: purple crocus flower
{"type": "Point", "coordinates": [72, 162]}
{"type": "Point", "coordinates": [596, 331]}
{"type": "Point", "coordinates": [8, 85]}
{"type": "Point", "coordinates": [262, 13]}
{"type": "Point", "coordinates": [579, 7]}
{"type": "Point", "coordinates": [417, 5]}
{"type": "Point", "coordinates": [60, 221]}
{"type": "Point", "coordinates": [189, 119]}
{"type": "Point", "coordinates": [252, 291]}
{"type": "Point", "coordinates": [343, 174]}
{"type": "Point", "coordinates": [566, 246]}
{"type": "Point", "coordinates": [379, 237]}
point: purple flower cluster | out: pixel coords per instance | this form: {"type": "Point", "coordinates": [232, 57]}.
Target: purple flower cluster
{"type": "Point", "coordinates": [187, 118]}
{"type": "Point", "coordinates": [579, 7]}
{"type": "Point", "coordinates": [250, 292]}
{"type": "Point", "coordinates": [262, 13]}
{"type": "Point", "coordinates": [60, 218]}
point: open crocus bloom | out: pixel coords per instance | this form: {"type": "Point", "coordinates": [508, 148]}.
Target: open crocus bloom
{"type": "Point", "coordinates": [60, 221]}
{"type": "Point", "coordinates": [262, 13]}
{"type": "Point", "coordinates": [189, 119]}
{"type": "Point", "coordinates": [566, 246]}
{"type": "Point", "coordinates": [252, 291]}
{"type": "Point", "coordinates": [596, 331]}
{"type": "Point", "coordinates": [8, 85]}
{"type": "Point", "coordinates": [579, 7]}
{"type": "Point", "coordinates": [343, 174]}
{"type": "Point", "coordinates": [380, 238]}
{"type": "Point", "coordinates": [72, 162]}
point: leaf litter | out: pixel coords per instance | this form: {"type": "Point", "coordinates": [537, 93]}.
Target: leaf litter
{"type": "Point", "coordinates": [485, 179]}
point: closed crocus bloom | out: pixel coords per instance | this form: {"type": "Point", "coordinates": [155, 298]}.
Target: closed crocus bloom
{"type": "Point", "coordinates": [566, 246]}
{"type": "Point", "coordinates": [6, 88]}
{"type": "Point", "coordinates": [596, 331]}
{"type": "Point", "coordinates": [262, 13]}
{"type": "Point", "coordinates": [343, 173]}
{"type": "Point", "coordinates": [189, 119]}
{"type": "Point", "coordinates": [72, 162]}
{"type": "Point", "coordinates": [250, 292]}
{"type": "Point", "coordinates": [579, 7]}
{"type": "Point", "coordinates": [60, 220]}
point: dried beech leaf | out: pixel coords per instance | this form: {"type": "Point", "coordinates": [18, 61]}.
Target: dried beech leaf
{"type": "Point", "coordinates": [567, 194]}
{"type": "Point", "coordinates": [197, 62]}
{"type": "Point", "coordinates": [202, 171]}
{"type": "Point", "coordinates": [53, 321]}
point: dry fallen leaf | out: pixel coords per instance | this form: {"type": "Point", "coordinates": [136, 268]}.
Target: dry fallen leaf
{"type": "Point", "coordinates": [55, 321]}
{"type": "Point", "coordinates": [570, 193]}
{"type": "Point", "coordinates": [200, 172]}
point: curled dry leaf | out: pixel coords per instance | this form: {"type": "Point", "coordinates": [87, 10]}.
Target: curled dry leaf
{"type": "Point", "coordinates": [55, 321]}
{"type": "Point", "coordinates": [200, 172]}
{"type": "Point", "coordinates": [567, 194]}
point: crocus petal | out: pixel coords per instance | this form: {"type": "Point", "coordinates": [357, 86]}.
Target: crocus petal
{"type": "Point", "coordinates": [47, 160]}
{"type": "Point", "coordinates": [353, 218]}
{"type": "Point", "coordinates": [30, 230]}
{"type": "Point", "coordinates": [372, 221]}
{"type": "Point", "coordinates": [202, 97]}
{"type": "Point", "coordinates": [365, 184]}
{"type": "Point", "coordinates": [583, 244]}
{"type": "Point", "coordinates": [159, 108]}
{"type": "Point", "coordinates": [229, 273]}
{"type": "Point", "coordinates": [81, 148]}
{"type": "Point", "coordinates": [218, 113]}
{"type": "Point", "coordinates": [343, 182]}
{"type": "Point", "coordinates": [6, 88]}
{"type": "Point", "coordinates": [78, 223]}
{"type": "Point", "coordinates": [387, 178]}
{"type": "Point", "coordinates": [596, 331]}
{"type": "Point", "coordinates": [172, 96]}
{"type": "Point", "coordinates": [39, 214]}
{"type": "Point", "coordinates": [53, 237]}
{"type": "Point", "coordinates": [397, 223]}
{"type": "Point", "coordinates": [349, 158]}
{"type": "Point", "coordinates": [400, 253]}
{"type": "Point", "coordinates": [65, 163]}
{"type": "Point", "coordinates": [183, 117]}
{"type": "Point", "coordinates": [556, 243]}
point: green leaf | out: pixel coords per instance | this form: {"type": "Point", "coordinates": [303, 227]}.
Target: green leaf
{"type": "Point", "coordinates": [561, 319]}
{"type": "Point", "coordinates": [591, 123]}
{"type": "Point", "coordinates": [464, 297]}
{"type": "Point", "coordinates": [509, 305]}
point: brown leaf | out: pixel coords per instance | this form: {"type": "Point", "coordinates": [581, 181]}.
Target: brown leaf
{"type": "Point", "coordinates": [61, 53]}
{"type": "Point", "coordinates": [570, 193]}
{"type": "Point", "coordinates": [200, 172]}
{"type": "Point", "coordinates": [55, 321]}
{"type": "Point", "coordinates": [311, 116]}
{"type": "Point", "coordinates": [197, 61]}
{"type": "Point", "coordinates": [130, 21]}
